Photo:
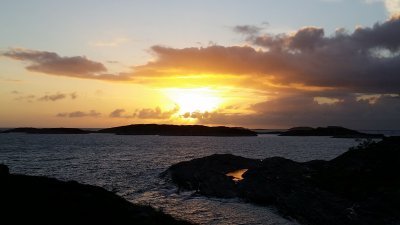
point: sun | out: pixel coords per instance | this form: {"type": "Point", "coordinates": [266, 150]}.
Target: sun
{"type": "Point", "coordinates": [194, 99]}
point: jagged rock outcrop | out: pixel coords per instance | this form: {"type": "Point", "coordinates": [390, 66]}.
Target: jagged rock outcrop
{"type": "Point", "coordinates": [360, 186]}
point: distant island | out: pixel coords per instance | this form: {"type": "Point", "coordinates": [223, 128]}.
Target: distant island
{"type": "Point", "coordinates": [47, 201]}
{"type": "Point", "coordinates": [145, 129]}
{"type": "Point", "coordinates": [31, 130]}
{"type": "Point", "coordinates": [178, 130]}
{"type": "Point", "coordinates": [332, 131]}
{"type": "Point", "coordinates": [200, 130]}
{"type": "Point", "coordinates": [360, 186]}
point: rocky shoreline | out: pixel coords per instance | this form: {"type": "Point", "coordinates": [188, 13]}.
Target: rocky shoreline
{"type": "Point", "coordinates": [360, 186]}
{"type": "Point", "coordinates": [41, 200]}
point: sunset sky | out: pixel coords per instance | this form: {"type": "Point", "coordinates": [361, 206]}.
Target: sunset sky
{"type": "Point", "coordinates": [256, 64]}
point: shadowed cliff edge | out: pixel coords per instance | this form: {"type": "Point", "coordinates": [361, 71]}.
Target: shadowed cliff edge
{"type": "Point", "coordinates": [359, 187]}
{"type": "Point", "coordinates": [42, 200]}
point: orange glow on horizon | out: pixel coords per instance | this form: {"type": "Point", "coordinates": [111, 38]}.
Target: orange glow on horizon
{"type": "Point", "coordinates": [192, 100]}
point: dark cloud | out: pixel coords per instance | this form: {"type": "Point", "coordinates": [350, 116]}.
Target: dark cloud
{"type": "Point", "coordinates": [367, 60]}
{"type": "Point", "coordinates": [302, 110]}
{"type": "Point", "coordinates": [77, 114]}
{"type": "Point", "coordinates": [52, 63]}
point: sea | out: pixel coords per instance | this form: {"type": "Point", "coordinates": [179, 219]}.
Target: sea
{"type": "Point", "coordinates": [130, 166]}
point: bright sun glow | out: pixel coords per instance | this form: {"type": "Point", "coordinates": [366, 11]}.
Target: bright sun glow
{"type": "Point", "coordinates": [196, 99]}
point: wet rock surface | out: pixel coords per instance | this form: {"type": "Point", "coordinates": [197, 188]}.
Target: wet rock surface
{"type": "Point", "coordinates": [361, 186]}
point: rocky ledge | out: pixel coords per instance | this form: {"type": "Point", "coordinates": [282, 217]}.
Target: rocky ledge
{"type": "Point", "coordinates": [361, 186]}
{"type": "Point", "coordinates": [42, 200]}
{"type": "Point", "coordinates": [332, 131]}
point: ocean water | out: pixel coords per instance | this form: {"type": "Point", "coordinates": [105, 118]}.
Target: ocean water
{"type": "Point", "coordinates": [130, 166]}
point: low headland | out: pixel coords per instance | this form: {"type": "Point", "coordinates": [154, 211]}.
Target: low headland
{"type": "Point", "coordinates": [42, 200]}
{"type": "Point", "coordinates": [359, 187]}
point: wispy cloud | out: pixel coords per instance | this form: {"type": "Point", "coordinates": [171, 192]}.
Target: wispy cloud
{"type": "Point", "coordinates": [78, 114]}
{"type": "Point", "coordinates": [57, 96]}
{"type": "Point", "coordinates": [156, 113]}
{"type": "Point", "coordinates": [52, 97]}
{"type": "Point", "coordinates": [121, 113]}
{"type": "Point", "coordinates": [247, 29]}
{"type": "Point", "coordinates": [47, 97]}
{"type": "Point", "coordinates": [27, 98]}
{"type": "Point", "coordinates": [9, 80]}
{"type": "Point", "coordinates": [115, 42]}
{"type": "Point", "coordinates": [145, 113]}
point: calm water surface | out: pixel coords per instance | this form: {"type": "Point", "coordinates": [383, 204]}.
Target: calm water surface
{"type": "Point", "coordinates": [130, 166]}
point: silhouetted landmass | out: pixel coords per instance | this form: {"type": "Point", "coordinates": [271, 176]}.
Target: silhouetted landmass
{"type": "Point", "coordinates": [31, 130]}
{"type": "Point", "coordinates": [178, 130]}
{"type": "Point", "coordinates": [42, 200]}
{"type": "Point", "coordinates": [360, 187]}
{"type": "Point", "coordinates": [267, 131]}
{"type": "Point", "coordinates": [333, 131]}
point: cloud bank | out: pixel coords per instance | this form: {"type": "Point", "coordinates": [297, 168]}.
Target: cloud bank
{"type": "Point", "coordinates": [314, 78]}
{"type": "Point", "coordinates": [366, 60]}
{"type": "Point", "coordinates": [301, 110]}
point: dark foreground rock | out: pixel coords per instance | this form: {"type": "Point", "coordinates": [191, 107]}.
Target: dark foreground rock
{"type": "Point", "coordinates": [42, 200]}
{"type": "Point", "coordinates": [178, 130]}
{"type": "Point", "coordinates": [31, 130]}
{"type": "Point", "coordinates": [362, 186]}
{"type": "Point", "coordinates": [333, 131]}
